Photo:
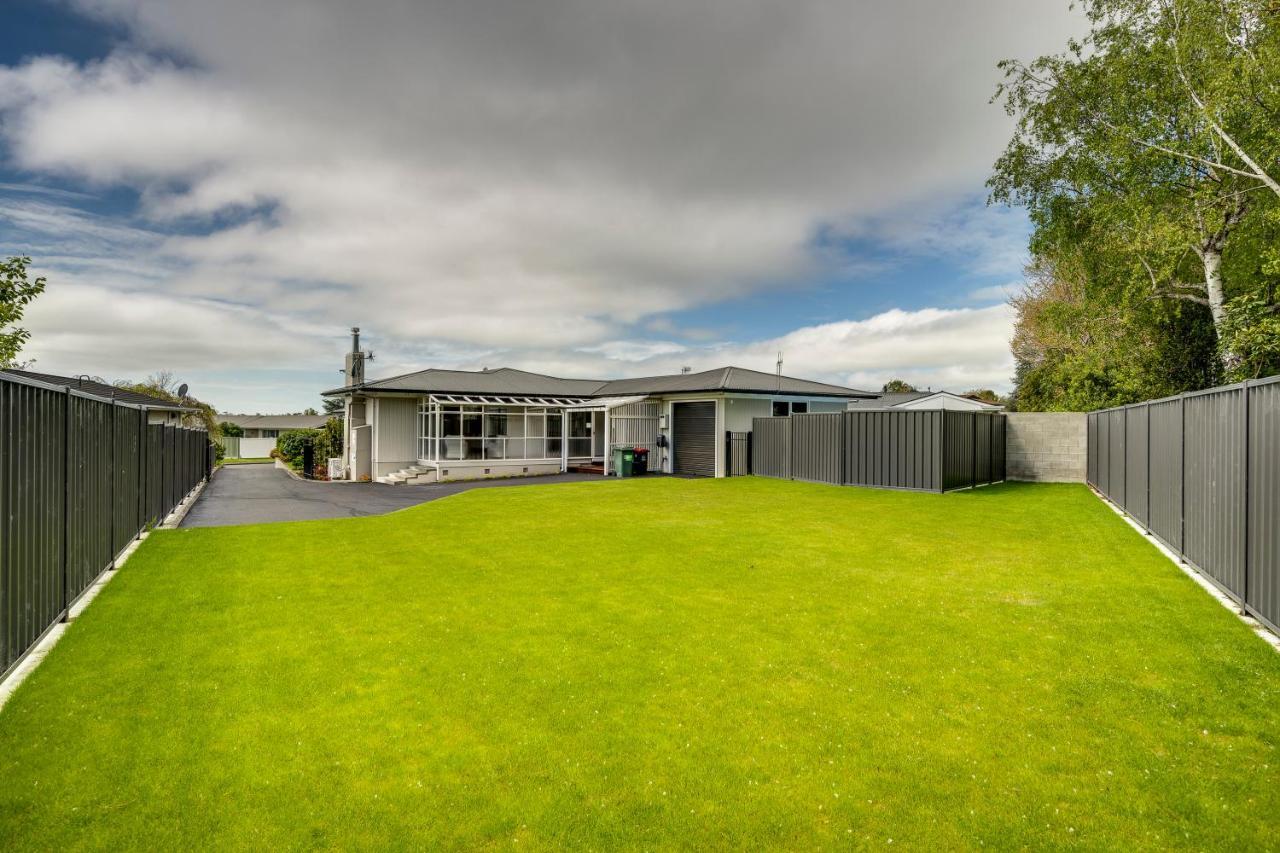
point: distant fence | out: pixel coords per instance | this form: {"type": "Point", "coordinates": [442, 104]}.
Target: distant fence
{"type": "Point", "coordinates": [80, 477]}
{"type": "Point", "coordinates": [1201, 473]}
{"type": "Point", "coordinates": [935, 451]}
{"type": "Point", "coordinates": [230, 446]}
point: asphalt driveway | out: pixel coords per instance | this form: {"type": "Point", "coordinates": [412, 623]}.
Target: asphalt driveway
{"type": "Point", "coordinates": [253, 494]}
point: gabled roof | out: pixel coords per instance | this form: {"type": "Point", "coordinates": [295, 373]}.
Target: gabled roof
{"type": "Point", "coordinates": [275, 421]}
{"type": "Point", "coordinates": [102, 389]}
{"type": "Point", "coordinates": [507, 380]}
{"type": "Point", "coordinates": [897, 399]}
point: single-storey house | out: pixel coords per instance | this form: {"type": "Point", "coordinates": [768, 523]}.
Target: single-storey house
{"type": "Point", "coordinates": [925, 400]}
{"type": "Point", "coordinates": [435, 425]}
{"type": "Point", "coordinates": [159, 410]}
{"type": "Point", "coordinates": [262, 431]}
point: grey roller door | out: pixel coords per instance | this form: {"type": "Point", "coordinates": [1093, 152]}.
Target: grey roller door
{"type": "Point", "coordinates": [695, 438]}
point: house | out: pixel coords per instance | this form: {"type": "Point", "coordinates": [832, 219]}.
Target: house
{"type": "Point", "coordinates": [261, 431]}
{"type": "Point", "coordinates": [159, 410]}
{"type": "Point", "coordinates": [435, 425]}
{"type": "Point", "coordinates": [925, 400]}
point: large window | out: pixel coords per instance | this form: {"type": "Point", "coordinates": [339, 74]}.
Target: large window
{"type": "Point", "coordinates": [782, 408]}
{"type": "Point", "coordinates": [484, 432]}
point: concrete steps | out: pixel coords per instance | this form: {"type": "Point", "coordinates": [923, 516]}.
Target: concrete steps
{"type": "Point", "coordinates": [411, 476]}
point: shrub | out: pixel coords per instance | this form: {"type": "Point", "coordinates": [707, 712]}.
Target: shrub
{"type": "Point", "coordinates": [230, 429]}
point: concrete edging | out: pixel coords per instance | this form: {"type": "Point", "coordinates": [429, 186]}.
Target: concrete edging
{"type": "Point", "coordinates": [1204, 583]}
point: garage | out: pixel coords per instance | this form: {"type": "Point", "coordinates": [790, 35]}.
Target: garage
{"type": "Point", "coordinates": [694, 438]}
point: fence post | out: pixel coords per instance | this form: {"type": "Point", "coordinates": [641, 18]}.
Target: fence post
{"type": "Point", "coordinates": [973, 463]}
{"type": "Point", "coordinates": [66, 502]}
{"type": "Point", "coordinates": [1147, 524]}
{"type": "Point", "coordinates": [1244, 480]}
{"type": "Point", "coordinates": [1182, 479]}
{"type": "Point", "coordinates": [112, 563]}
{"type": "Point", "coordinates": [750, 433]}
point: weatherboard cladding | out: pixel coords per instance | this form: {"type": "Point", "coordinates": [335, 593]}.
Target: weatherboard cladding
{"type": "Point", "coordinates": [510, 381]}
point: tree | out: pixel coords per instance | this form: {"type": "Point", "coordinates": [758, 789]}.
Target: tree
{"type": "Point", "coordinates": [162, 384]}
{"type": "Point", "coordinates": [310, 411]}
{"type": "Point", "coordinates": [333, 406]}
{"type": "Point", "coordinates": [897, 386]}
{"type": "Point", "coordinates": [230, 430]}
{"type": "Point", "coordinates": [17, 290]}
{"type": "Point", "coordinates": [1160, 131]}
{"type": "Point", "coordinates": [986, 395]}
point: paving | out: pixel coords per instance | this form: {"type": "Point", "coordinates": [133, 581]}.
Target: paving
{"type": "Point", "coordinates": [253, 494]}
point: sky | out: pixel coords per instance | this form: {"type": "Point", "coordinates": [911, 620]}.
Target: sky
{"type": "Point", "coordinates": [576, 187]}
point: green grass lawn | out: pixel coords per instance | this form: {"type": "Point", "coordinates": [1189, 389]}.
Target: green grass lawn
{"type": "Point", "coordinates": [654, 664]}
{"type": "Point", "coordinates": [248, 460]}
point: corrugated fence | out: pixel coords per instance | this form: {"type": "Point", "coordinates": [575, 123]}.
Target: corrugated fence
{"type": "Point", "coordinates": [80, 477]}
{"type": "Point", "coordinates": [931, 451]}
{"type": "Point", "coordinates": [1201, 473]}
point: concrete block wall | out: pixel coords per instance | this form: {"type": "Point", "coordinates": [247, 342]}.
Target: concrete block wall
{"type": "Point", "coordinates": [1049, 447]}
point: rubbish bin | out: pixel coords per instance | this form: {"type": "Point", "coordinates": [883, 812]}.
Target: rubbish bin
{"type": "Point", "coordinates": [623, 461]}
{"type": "Point", "coordinates": [641, 464]}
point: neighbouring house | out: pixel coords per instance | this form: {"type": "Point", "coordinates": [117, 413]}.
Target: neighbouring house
{"type": "Point", "coordinates": [159, 410]}
{"type": "Point", "coordinates": [262, 431]}
{"type": "Point", "coordinates": [925, 400]}
{"type": "Point", "coordinates": [435, 425]}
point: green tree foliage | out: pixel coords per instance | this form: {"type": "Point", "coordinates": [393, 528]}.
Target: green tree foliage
{"type": "Point", "coordinates": [333, 406]}
{"type": "Point", "coordinates": [231, 430]}
{"type": "Point", "coordinates": [325, 441]}
{"type": "Point", "coordinates": [986, 395]}
{"type": "Point", "coordinates": [1146, 157]}
{"type": "Point", "coordinates": [17, 290]}
{"type": "Point", "coordinates": [162, 384]}
{"type": "Point", "coordinates": [897, 386]}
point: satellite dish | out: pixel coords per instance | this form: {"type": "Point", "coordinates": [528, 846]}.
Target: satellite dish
{"type": "Point", "coordinates": [182, 391]}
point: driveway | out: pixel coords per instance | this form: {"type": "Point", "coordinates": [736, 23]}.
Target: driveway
{"type": "Point", "coordinates": [253, 494]}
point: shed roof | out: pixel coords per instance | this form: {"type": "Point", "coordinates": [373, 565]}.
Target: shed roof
{"type": "Point", "coordinates": [102, 389]}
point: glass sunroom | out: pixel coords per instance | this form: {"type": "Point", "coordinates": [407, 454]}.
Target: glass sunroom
{"type": "Point", "coordinates": [474, 428]}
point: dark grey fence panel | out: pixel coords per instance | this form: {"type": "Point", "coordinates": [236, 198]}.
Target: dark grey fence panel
{"type": "Point", "coordinates": [76, 477]}
{"type": "Point", "coordinates": [1213, 509]}
{"type": "Point", "coordinates": [1263, 587]}
{"type": "Point", "coordinates": [1135, 462]}
{"type": "Point", "coordinates": [1164, 420]}
{"type": "Point", "coordinates": [931, 450]}
{"type": "Point", "coordinates": [817, 448]}
{"type": "Point", "coordinates": [896, 450]}
{"type": "Point", "coordinates": [1091, 448]}
{"type": "Point", "coordinates": [771, 447]}
{"type": "Point", "coordinates": [1202, 472]}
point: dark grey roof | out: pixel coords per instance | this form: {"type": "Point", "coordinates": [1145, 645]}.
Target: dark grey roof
{"type": "Point", "coordinates": [102, 389]}
{"type": "Point", "coordinates": [507, 380]}
{"type": "Point", "coordinates": [275, 421]}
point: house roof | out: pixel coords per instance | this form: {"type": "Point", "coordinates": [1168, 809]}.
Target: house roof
{"type": "Point", "coordinates": [507, 380]}
{"type": "Point", "coordinates": [275, 421]}
{"type": "Point", "coordinates": [102, 389]}
{"type": "Point", "coordinates": [894, 400]}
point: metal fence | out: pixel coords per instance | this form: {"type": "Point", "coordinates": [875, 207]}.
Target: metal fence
{"type": "Point", "coordinates": [737, 454]}
{"type": "Point", "coordinates": [1201, 473]}
{"type": "Point", "coordinates": [80, 477]}
{"type": "Point", "coordinates": [931, 451]}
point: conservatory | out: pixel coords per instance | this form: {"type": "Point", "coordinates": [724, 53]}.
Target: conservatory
{"type": "Point", "coordinates": [477, 429]}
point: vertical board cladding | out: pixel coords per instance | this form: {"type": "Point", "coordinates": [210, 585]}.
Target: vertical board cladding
{"type": "Point", "coordinates": [1135, 462]}
{"type": "Point", "coordinates": [75, 487]}
{"type": "Point", "coordinates": [1091, 451]}
{"type": "Point", "coordinates": [1103, 482]}
{"type": "Point", "coordinates": [957, 450]}
{"type": "Point", "coordinates": [771, 447]}
{"type": "Point", "coordinates": [999, 447]}
{"type": "Point", "coordinates": [1263, 588]}
{"type": "Point", "coordinates": [817, 448]}
{"type": "Point", "coordinates": [1164, 515]}
{"type": "Point", "coordinates": [1214, 500]}
{"type": "Point", "coordinates": [1116, 454]}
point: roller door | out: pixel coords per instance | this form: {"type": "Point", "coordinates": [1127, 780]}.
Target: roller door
{"type": "Point", "coordinates": [694, 439]}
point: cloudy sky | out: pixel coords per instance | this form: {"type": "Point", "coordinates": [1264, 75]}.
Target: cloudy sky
{"type": "Point", "coordinates": [579, 187]}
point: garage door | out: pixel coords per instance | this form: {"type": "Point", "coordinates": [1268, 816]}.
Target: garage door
{"type": "Point", "coordinates": [694, 439]}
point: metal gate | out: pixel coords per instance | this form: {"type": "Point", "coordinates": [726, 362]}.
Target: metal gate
{"type": "Point", "coordinates": [694, 439]}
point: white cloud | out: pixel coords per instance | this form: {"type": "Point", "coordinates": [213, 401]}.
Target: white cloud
{"type": "Point", "coordinates": [529, 179]}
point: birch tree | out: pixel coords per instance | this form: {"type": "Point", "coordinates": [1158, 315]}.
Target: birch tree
{"type": "Point", "coordinates": [1163, 125]}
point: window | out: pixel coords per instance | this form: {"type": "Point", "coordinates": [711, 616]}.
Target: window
{"type": "Point", "coordinates": [271, 433]}
{"type": "Point", "coordinates": [475, 432]}
{"type": "Point", "coordinates": [782, 408]}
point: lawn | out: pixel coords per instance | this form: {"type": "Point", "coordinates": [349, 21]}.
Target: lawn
{"type": "Point", "coordinates": [248, 460]}
{"type": "Point", "coordinates": [654, 664]}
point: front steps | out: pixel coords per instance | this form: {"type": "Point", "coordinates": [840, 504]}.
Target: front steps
{"type": "Point", "coordinates": [414, 475]}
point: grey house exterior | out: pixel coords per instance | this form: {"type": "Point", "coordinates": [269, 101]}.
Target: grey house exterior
{"type": "Point", "coordinates": [437, 425]}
